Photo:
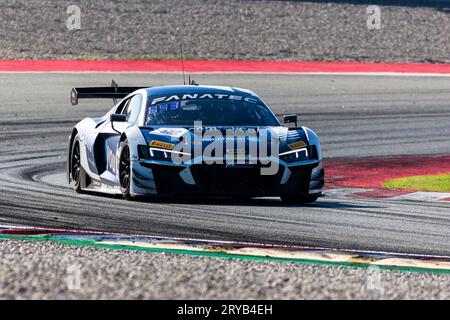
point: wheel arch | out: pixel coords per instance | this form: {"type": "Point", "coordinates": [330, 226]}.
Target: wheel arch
{"type": "Point", "coordinates": [69, 164]}
{"type": "Point", "coordinates": [134, 136]}
{"type": "Point", "coordinates": [313, 139]}
{"type": "Point", "coordinates": [123, 137]}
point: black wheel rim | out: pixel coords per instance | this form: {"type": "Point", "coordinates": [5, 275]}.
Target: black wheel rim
{"type": "Point", "coordinates": [76, 163]}
{"type": "Point", "coordinates": [125, 170]}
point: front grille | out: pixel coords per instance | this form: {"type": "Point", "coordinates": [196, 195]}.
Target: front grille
{"type": "Point", "coordinates": [167, 179]}
{"type": "Point", "coordinates": [220, 179]}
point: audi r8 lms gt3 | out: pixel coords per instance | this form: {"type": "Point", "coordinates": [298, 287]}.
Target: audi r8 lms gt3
{"type": "Point", "coordinates": [192, 140]}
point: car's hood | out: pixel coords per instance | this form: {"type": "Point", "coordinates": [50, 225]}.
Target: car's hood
{"type": "Point", "coordinates": [168, 137]}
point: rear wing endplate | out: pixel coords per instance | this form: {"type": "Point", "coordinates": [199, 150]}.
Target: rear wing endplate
{"type": "Point", "coordinates": [114, 92]}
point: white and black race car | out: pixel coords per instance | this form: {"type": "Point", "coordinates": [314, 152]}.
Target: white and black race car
{"type": "Point", "coordinates": [192, 140]}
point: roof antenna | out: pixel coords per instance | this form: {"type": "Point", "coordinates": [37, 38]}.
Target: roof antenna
{"type": "Point", "coordinates": [192, 82]}
{"type": "Point", "coordinates": [182, 62]}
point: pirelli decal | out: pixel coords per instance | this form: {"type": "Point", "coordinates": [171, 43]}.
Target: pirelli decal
{"type": "Point", "coordinates": [161, 145]}
{"type": "Point", "coordinates": [297, 145]}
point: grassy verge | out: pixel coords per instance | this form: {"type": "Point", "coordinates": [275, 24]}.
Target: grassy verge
{"type": "Point", "coordinates": [438, 183]}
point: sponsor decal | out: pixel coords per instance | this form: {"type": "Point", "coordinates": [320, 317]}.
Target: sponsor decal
{"type": "Point", "coordinates": [173, 98]}
{"type": "Point", "coordinates": [163, 107]}
{"type": "Point", "coordinates": [297, 145]}
{"type": "Point", "coordinates": [236, 155]}
{"type": "Point", "coordinates": [172, 132]}
{"type": "Point", "coordinates": [161, 145]}
{"type": "Point", "coordinates": [111, 160]}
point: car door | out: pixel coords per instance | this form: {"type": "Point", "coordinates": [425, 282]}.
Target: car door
{"type": "Point", "coordinates": [112, 132]}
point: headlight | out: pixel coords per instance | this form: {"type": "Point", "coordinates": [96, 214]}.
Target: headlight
{"type": "Point", "coordinates": [165, 155]}
{"type": "Point", "coordinates": [149, 153]}
{"type": "Point", "coordinates": [295, 155]}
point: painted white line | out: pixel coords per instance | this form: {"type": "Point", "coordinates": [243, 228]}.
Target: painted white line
{"type": "Point", "coordinates": [344, 192]}
{"type": "Point", "coordinates": [422, 196]}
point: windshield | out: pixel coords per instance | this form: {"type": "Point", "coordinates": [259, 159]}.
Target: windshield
{"type": "Point", "coordinates": [214, 112]}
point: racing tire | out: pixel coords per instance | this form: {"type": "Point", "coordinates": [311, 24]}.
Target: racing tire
{"type": "Point", "coordinates": [295, 199]}
{"type": "Point", "coordinates": [76, 171]}
{"type": "Point", "coordinates": [125, 171]}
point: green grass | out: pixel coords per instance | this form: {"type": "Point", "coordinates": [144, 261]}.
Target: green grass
{"type": "Point", "coordinates": [438, 183]}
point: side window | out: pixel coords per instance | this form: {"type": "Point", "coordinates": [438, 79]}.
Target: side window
{"type": "Point", "coordinates": [122, 108]}
{"type": "Point", "coordinates": [134, 108]}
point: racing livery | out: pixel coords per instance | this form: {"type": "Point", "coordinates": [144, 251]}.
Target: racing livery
{"type": "Point", "coordinates": [192, 140]}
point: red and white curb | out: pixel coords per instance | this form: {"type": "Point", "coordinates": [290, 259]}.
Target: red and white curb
{"type": "Point", "coordinates": [389, 194]}
{"type": "Point", "coordinates": [364, 177]}
{"type": "Point", "coordinates": [230, 249]}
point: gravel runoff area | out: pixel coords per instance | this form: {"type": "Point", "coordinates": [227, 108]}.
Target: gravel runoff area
{"type": "Point", "coordinates": [47, 270]}
{"type": "Point", "coordinates": [411, 31]}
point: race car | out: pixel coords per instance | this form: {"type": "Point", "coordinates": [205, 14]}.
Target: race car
{"type": "Point", "coordinates": [192, 140]}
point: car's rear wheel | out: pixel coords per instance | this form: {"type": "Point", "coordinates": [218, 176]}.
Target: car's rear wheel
{"type": "Point", "coordinates": [125, 171]}
{"type": "Point", "coordinates": [297, 199]}
{"type": "Point", "coordinates": [75, 166]}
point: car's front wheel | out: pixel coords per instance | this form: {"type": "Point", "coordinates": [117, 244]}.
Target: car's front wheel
{"type": "Point", "coordinates": [76, 170]}
{"type": "Point", "coordinates": [125, 171]}
{"type": "Point", "coordinates": [298, 199]}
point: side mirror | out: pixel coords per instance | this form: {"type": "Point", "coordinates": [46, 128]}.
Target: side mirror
{"type": "Point", "coordinates": [115, 117]}
{"type": "Point", "coordinates": [290, 118]}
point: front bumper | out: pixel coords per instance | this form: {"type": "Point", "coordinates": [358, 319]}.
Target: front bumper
{"type": "Point", "coordinates": [157, 178]}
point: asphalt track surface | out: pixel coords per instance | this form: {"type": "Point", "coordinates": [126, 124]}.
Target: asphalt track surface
{"type": "Point", "coordinates": [355, 116]}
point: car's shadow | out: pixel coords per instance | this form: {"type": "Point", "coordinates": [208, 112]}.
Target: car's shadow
{"type": "Point", "coordinates": [254, 202]}
{"type": "Point", "coordinates": [248, 202]}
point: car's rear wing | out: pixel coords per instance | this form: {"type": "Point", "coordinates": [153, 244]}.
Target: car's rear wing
{"type": "Point", "coordinates": [113, 92]}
